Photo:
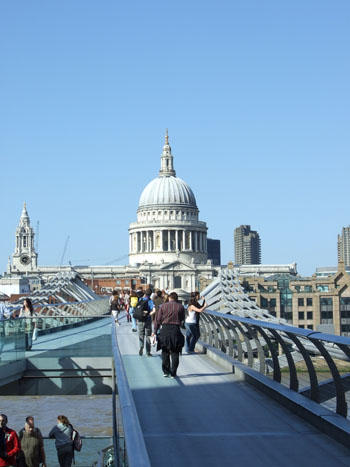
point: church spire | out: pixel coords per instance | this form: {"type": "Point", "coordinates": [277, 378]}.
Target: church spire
{"type": "Point", "coordinates": [24, 216]}
{"type": "Point", "coordinates": [166, 159]}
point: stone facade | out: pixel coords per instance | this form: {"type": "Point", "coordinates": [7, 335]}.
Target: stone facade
{"type": "Point", "coordinates": [315, 303]}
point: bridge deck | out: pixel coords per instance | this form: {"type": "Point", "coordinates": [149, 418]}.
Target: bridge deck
{"type": "Point", "coordinates": [206, 417]}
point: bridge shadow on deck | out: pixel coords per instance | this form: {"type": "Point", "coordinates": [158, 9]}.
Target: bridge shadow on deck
{"type": "Point", "coordinates": [70, 362]}
{"type": "Point", "coordinates": [207, 417]}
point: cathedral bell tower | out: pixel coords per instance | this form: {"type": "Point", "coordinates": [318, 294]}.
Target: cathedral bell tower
{"type": "Point", "coordinates": [25, 257]}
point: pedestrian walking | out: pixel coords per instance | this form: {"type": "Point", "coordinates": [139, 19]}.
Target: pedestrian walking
{"type": "Point", "coordinates": [168, 319]}
{"type": "Point", "coordinates": [62, 433]}
{"type": "Point", "coordinates": [9, 444]}
{"type": "Point", "coordinates": [133, 302]}
{"type": "Point", "coordinates": [115, 307]}
{"type": "Point", "coordinates": [145, 325]}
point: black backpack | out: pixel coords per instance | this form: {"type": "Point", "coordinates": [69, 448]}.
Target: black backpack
{"type": "Point", "coordinates": [141, 310]}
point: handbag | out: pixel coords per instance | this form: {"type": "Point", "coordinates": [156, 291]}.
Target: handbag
{"type": "Point", "coordinates": [35, 334]}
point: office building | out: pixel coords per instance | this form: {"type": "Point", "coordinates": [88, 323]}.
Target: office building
{"type": "Point", "coordinates": [214, 251]}
{"type": "Point", "coordinates": [247, 246]}
{"type": "Point", "coordinates": [344, 246]}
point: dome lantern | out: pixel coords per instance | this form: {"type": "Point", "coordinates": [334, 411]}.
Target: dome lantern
{"type": "Point", "coordinates": [166, 160]}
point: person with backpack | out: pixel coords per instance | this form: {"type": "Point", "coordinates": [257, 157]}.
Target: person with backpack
{"type": "Point", "coordinates": [143, 313]}
{"type": "Point", "coordinates": [62, 433]}
{"type": "Point", "coordinates": [133, 302]}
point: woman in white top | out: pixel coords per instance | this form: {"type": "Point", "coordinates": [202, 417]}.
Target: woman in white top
{"type": "Point", "coordinates": [28, 313]}
{"type": "Point", "coordinates": [191, 322]}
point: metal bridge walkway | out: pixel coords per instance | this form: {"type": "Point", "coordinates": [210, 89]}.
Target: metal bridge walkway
{"type": "Point", "coordinates": [207, 417]}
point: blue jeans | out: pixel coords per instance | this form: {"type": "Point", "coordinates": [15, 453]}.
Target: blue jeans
{"type": "Point", "coordinates": [192, 336]}
{"type": "Point", "coordinates": [133, 320]}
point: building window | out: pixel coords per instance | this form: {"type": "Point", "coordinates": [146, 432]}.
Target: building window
{"type": "Point", "coordinates": [177, 282]}
{"type": "Point", "coordinates": [344, 303]}
{"type": "Point", "coordinates": [309, 302]}
{"type": "Point", "coordinates": [301, 326]}
{"type": "Point", "coordinates": [309, 315]}
{"type": "Point", "coordinates": [326, 308]}
{"type": "Point", "coordinates": [307, 288]}
{"type": "Point", "coordinates": [310, 326]}
{"type": "Point", "coordinates": [322, 288]}
{"type": "Point", "coordinates": [301, 315]}
{"type": "Point", "coordinates": [300, 302]}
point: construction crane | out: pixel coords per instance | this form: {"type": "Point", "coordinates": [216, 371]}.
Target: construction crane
{"type": "Point", "coordinates": [64, 250]}
{"type": "Point", "coordinates": [116, 260]}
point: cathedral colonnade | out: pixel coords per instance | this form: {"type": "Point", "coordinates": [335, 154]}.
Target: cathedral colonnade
{"type": "Point", "coordinates": [152, 241]}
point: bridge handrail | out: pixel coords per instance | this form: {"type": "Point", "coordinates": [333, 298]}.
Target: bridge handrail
{"type": "Point", "coordinates": [261, 344]}
{"type": "Point", "coordinates": [137, 454]}
{"type": "Point", "coordinates": [330, 338]}
{"type": "Point", "coordinates": [16, 306]}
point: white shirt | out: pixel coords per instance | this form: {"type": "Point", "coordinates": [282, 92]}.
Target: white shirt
{"type": "Point", "coordinates": [191, 318]}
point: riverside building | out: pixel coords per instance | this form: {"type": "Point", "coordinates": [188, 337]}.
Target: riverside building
{"type": "Point", "coordinates": [320, 303]}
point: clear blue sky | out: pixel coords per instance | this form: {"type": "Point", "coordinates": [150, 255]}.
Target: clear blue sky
{"type": "Point", "coordinates": [256, 96]}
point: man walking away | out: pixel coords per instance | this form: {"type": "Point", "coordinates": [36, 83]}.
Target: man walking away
{"type": "Point", "coordinates": [145, 326]}
{"type": "Point", "coordinates": [169, 317]}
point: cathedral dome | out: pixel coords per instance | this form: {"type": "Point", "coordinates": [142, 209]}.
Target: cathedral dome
{"type": "Point", "coordinates": [167, 190]}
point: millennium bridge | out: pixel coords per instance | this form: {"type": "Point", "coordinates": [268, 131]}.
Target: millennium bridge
{"type": "Point", "coordinates": [258, 392]}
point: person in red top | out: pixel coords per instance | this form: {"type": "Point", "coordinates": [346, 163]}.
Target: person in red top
{"type": "Point", "coordinates": [9, 444]}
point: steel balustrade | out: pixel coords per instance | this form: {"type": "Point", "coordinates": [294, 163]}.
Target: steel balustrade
{"type": "Point", "coordinates": [264, 345]}
{"type": "Point", "coordinates": [130, 448]}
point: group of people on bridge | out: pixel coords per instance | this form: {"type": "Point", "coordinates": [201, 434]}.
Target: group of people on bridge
{"type": "Point", "coordinates": [158, 317]}
{"type": "Point", "coordinates": [26, 449]}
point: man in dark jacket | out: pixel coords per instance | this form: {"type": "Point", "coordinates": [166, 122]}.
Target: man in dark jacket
{"type": "Point", "coordinates": [145, 327]}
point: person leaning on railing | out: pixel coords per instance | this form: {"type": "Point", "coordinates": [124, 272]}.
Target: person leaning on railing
{"type": "Point", "coordinates": [192, 322]}
{"type": "Point", "coordinates": [62, 433]}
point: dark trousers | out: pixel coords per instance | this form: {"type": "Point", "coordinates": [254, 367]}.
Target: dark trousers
{"type": "Point", "coordinates": [166, 357]}
{"type": "Point", "coordinates": [145, 330]}
{"type": "Point", "coordinates": [65, 455]}
{"type": "Point", "coordinates": [192, 336]}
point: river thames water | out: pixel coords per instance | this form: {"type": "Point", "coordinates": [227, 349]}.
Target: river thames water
{"type": "Point", "coordinates": [90, 415]}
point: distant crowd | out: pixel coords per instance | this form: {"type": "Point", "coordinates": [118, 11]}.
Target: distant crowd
{"type": "Point", "coordinates": [26, 449]}
{"type": "Point", "coordinates": [158, 317]}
